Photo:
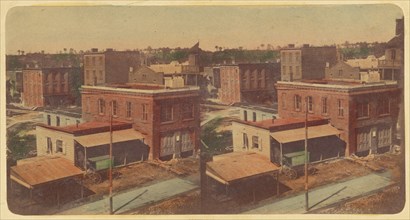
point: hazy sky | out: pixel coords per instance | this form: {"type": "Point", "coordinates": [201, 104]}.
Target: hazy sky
{"type": "Point", "coordinates": [130, 27]}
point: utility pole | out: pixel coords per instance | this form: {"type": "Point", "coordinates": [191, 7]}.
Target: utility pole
{"type": "Point", "coordinates": [306, 157]}
{"type": "Point", "coordinates": [111, 162]}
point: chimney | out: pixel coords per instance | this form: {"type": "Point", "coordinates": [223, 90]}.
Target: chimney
{"type": "Point", "coordinates": [399, 26]}
{"type": "Point", "coordinates": [94, 50]}
{"type": "Point", "coordinates": [291, 45]}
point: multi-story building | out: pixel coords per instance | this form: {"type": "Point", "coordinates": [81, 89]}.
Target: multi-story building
{"type": "Point", "coordinates": [306, 62]}
{"type": "Point", "coordinates": [109, 66]}
{"type": "Point", "coordinates": [168, 118]}
{"type": "Point", "coordinates": [248, 82]}
{"type": "Point", "coordinates": [366, 113]}
{"type": "Point", "coordinates": [392, 66]}
{"type": "Point", "coordinates": [49, 86]}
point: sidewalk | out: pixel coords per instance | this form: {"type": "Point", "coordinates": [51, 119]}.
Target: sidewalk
{"type": "Point", "coordinates": [132, 199]}
{"type": "Point", "coordinates": [325, 195]}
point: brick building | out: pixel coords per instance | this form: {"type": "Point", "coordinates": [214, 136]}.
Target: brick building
{"type": "Point", "coordinates": [306, 62]}
{"type": "Point", "coordinates": [248, 82]}
{"type": "Point", "coordinates": [167, 118]}
{"type": "Point", "coordinates": [109, 66]}
{"type": "Point", "coordinates": [49, 86]}
{"type": "Point", "coordinates": [365, 113]}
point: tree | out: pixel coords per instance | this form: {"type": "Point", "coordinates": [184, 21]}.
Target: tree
{"type": "Point", "coordinates": [18, 52]}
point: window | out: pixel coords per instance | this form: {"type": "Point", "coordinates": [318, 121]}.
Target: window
{"type": "Point", "coordinates": [298, 102]}
{"type": "Point", "coordinates": [57, 121]}
{"type": "Point", "coordinates": [310, 104]}
{"type": "Point", "coordinates": [297, 56]}
{"type": "Point", "coordinates": [284, 70]}
{"type": "Point", "coordinates": [254, 116]}
{"type": "Point", "coordinates": [100, 60]}
{"type": "Point", "coordinates": [87, 60]}
{"type": "Point", "coordinates": [101, 106]}
{"type": "Point", "coordinates": [145, 112]}
{"type": "Point", "coordinates": [384, 137]}
{"type": "Point", "coordinates": [362, 110]}
{"type": "Point", "coordinates": [187, 111]}
{"type": "Point", "coordinates": [245, 115]}
{"type": "Point", "coordinates": [59, 146]}
{"type": "Point", "coordinates": [297, 71]}
{"type": "Point", "coordinates": [245, 140]}
{"type": "Point", "coordinates": [166, 113]}
{"type": "Point", "coordinates": [49, 146]}
{"type": "Point", "coordinates": [340, 72]}
{"type": "Point", "coordinates": [255, 142]}
{"type": "Point", "coordinates": [283, 100]}
{"type": "Point", "coordinates": [290, 57]}
{"type": "Point", "coordinates": [101, 75]}
{"type": "Point", "coordinates": [87, 75]}
{"type": "Point", "coordinates": [340, 107]}
{"type": "Point", "coordinates": [48, 120]}
{"type": "Point", "coordinates": [290, 70]}
{"type": "Point", "coordinates": [128, 106]}
{"type": "Point", "coordinates": [324, 105]}
{"type": "Point", "coordinates": [114, 108]}
{"type": "Point", "coordinates": [87, 104]}
{"type": "Point", "coordinates": [283, 57]}
{"type": "Point", "coordinates": [384, 106]}
{"type": "Point", "coordinates": [93, 60]}
{"type": "Point", "coordinates": [363, 140]}
{"type": "Point", "coordinates": [393, 54]}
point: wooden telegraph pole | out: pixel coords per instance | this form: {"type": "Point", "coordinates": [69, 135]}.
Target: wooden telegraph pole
{"type": "Point", "coordinates": [111, 162]}
{"type": "Point", "coordinates": [306, 158]}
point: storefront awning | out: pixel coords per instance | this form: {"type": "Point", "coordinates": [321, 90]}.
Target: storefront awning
{"type": "Point", "coordinates": [103, 138]}
{"type": "Point", "coordinates": [44, 170]}
{"type": "Point", "coordinates": [231, 167]}
{"type": "Point", "coordinates": [299, 133]}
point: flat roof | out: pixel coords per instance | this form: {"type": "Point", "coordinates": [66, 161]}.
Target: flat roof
{"type": "Point", "coordinates": [103, 138]}
{"type": "Point", "coordinates": [45, 170]}
{"type": "Point", "coordinates": [89, 127]}
{"type": "Point", "coordinates": [284, 123]}
{"type": "Point", "coordinates": [231, 167]}
{"type": "Point", "coordinates": [337, 84]}
{"type": "Point", "coordinates": [298, 134]}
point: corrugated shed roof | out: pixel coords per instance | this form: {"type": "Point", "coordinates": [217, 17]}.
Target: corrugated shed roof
{"type": "Point", "coordinates": [231, 167]}
{"type": "Point", "coordinates": [43, 171]}
{"type": "Point", "coordinates": [103, 138]}
{"type": "Point", "coordinates": [299, 133]}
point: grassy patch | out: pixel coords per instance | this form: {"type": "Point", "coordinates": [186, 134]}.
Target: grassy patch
{"type": "Point", "coordinates": [19, 142]}
{"type": "Point", "coordinates": [217, 142]}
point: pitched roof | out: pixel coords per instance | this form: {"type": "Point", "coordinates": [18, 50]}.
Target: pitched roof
{"type": "Point", "coordinates": [230, 167]}
{"type": "Point", "coordinates": [44, 170]}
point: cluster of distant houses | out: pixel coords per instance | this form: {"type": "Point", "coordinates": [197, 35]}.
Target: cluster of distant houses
{"type": "Point", "coordinates": [351, 106]}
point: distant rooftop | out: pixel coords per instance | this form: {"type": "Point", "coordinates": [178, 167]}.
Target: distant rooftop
{"type": "Point", "coordinates": [68, 111]}
{"type": "Point", "coordinates": [142, 88]}
{"type": "Point", "coordinates": [286, 123]}
{"type": "Point", "coordinates": [89, 127]}
{"type": "Point", "coordinates": [264, 108]}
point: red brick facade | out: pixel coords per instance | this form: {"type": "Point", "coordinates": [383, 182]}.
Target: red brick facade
{"type": "Point", "coordinates": [47, 87]}
{"type": "Point", "coordinates": [168, 118]}
{"type": "Point", "coordinates": [253, 83]}
{"type": "Point", "coordinates": [367, 114]}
